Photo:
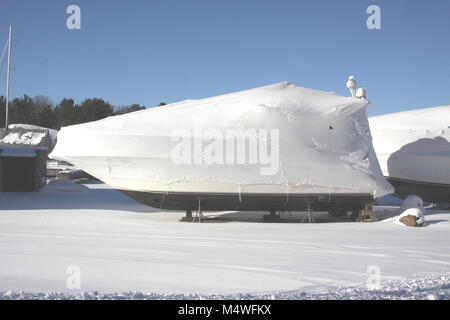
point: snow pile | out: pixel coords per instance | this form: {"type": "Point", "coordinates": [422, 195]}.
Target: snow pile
{"type": "Point", "coordinates": [411, 206]}
{"type": "Point", "coordinates": [27, 138]}
{"type": "Point", "coordinates": [52, 133]}
{"type": "Point", "coordinates": [415, 212]}
{"type": "Point", "coordinates": [315, 142]}
{"type": "Point", "coordinates": [429, 288]}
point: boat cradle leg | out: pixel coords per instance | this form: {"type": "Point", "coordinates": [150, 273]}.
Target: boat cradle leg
{"type": "Point", "coordinates": [273, 216]}
{"type": "Point", "coordinates": [199, 213]}
{"type": "Point", "coordinates": [187, 217]}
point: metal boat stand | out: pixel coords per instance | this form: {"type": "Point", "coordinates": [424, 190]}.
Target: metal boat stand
{"type": "Point", "coordinates": [187, 217]}
{"type": "Point", "coordinates": [308, 215]}
{"type": "Point", "coordinates": [199, 214]}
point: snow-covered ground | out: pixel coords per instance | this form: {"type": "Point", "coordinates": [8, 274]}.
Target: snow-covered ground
{"type": "Point", "coordinates": [126, 250]}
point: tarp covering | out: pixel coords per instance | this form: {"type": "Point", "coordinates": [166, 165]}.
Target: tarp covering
{"type": "Point", "coordinates": [277, 137]}
{"type": "Point", "coordinates": [414, 145]}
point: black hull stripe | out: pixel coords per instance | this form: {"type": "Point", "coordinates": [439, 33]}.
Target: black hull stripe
{"type": "Point", "coordinates": [250, 202]}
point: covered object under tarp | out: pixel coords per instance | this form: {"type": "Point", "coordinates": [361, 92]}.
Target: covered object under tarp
{"type": "Point", "coordinates": [278, 147]}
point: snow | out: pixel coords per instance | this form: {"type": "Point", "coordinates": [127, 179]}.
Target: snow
{"type": "Point", "coordinates": [53, 133]}
{"type": "Point", "coordinates": [428, 288]}
{"type": "Point", "coordinates": [126, 250]}
{"type": "Point", "coordinates": [412, 205]}
{"type": "Point", "coordinates": [416, 212]}
{"type": "Point", "coordinates": [28, 138]}
{"type": "Point", "coordinates": [58, 165]}
{"type": "Point", "coordinates": [319, 142]}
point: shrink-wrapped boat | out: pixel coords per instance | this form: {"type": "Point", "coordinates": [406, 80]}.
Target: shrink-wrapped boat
{"type": "Point", "coordinates": [413, 148]}
{"type": "Point", "coordinates": [279, 147]}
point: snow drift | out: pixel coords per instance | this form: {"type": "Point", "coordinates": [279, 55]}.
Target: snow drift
{"type": "Point", "coordinates": [293, 140]}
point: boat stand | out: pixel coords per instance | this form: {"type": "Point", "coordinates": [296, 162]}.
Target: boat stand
{"type": "Point", "coordinates": [308, 215]}
{"type": "Point", "coordinates": [198, 217]}
{"type": "Point", "coordinates": [187, 217]}
{"type": "Point", "coordinates": [199, 214]}
{"type": "Point", "coordinates": [272, 217]}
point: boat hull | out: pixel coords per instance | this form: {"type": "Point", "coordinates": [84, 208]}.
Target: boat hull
{"type": "Point", "coordinates": [432, 192]}
{"type": "Point", "coordinates": [250, 201]}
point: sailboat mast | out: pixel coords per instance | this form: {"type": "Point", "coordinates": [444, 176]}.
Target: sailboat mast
{"type": "Point", "coordinates": [7, 77]}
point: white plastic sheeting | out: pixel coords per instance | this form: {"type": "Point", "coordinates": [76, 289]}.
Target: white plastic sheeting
{"type": "Point", "coordinates": [277, 138]}
{"type": "Point", "coordinates": [414, 145]}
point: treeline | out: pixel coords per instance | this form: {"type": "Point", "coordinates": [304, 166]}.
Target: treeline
{"type": "Point", "coordinates": [41, 111]}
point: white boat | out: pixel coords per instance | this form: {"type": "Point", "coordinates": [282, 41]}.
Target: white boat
{"type": "Point", "coordinates": [413, 148]}
{"type": "Point", "coordinates": [273, 148]}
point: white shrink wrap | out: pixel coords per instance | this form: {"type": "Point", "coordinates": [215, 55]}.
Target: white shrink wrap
{"type": "Point", "coordinates": [276, 139]}
{"type": "Point", "coordinates": [413, 148]}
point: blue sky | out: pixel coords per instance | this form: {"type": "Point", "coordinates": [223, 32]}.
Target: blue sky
{"type": "Point", "coordinates": [151, 51]}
